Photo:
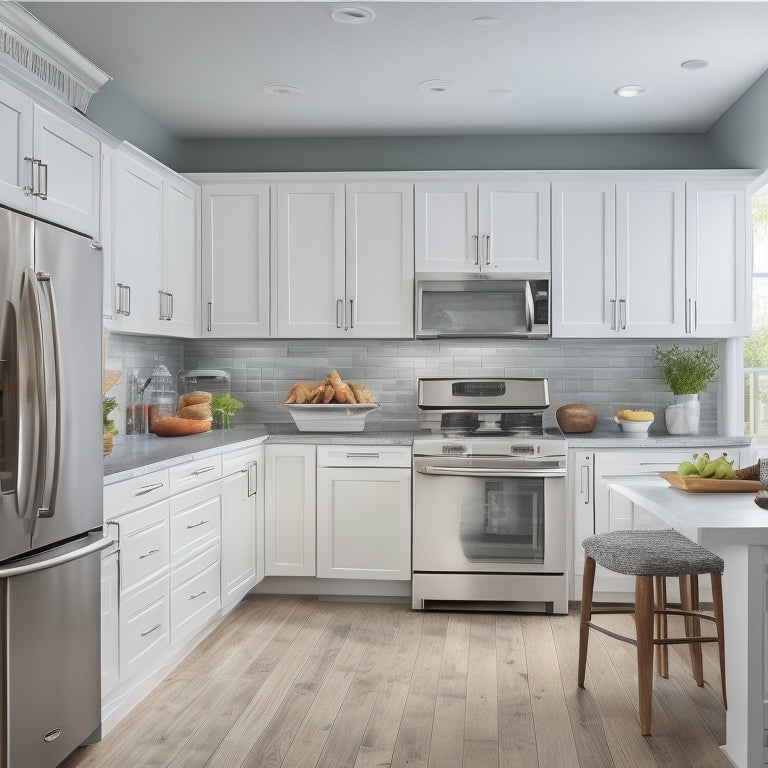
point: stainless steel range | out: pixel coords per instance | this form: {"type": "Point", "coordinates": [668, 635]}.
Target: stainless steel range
{"type": "Point", "coordinates": [489, 521]}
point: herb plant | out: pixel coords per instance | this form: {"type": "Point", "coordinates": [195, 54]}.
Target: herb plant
{"type": "Point", "coordinates": [223, 408]}
{"type": "Point", "coordinates": [686, 371]}
{"type": "Point", "coordinates": [108, 405]}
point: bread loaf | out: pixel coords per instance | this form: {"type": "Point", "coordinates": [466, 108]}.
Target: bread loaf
{"type": "Point", "coordinates": [199, 411]}
{"type": "Point", "coordinates": [194, 398]}
{"type": "Point", "coordinates": [173, 426]}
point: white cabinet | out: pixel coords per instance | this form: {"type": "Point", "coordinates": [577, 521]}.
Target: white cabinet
{"type": "Point", "coordinates": [344, 260]}
{"type": "Point", "coordinates": [49, 167]}
{"type": "Point", "coordinates": [364, 512]}
{"type": "Point", "coordinates": [242, 530]}
{"type": "Point", "coordinates": [715, 252]}
{"type": "Point", "coordinates": [483, 227]}
{"type": "Point", "coordinates": [618, 259]}
{"type": "Point", "coordinates": [110, 628]}
{"type": "Point", "coordinates": [235, 260]}
{"type": "Point", "coordinates": [153, 248]}
{"type": "Point", "coordinates": [595, 509]}
{"type": "Point", "coordinates": [289, 517]}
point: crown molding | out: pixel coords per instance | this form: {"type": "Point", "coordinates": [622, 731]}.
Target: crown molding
{"type": "Point", "coordinates": [32, 51]}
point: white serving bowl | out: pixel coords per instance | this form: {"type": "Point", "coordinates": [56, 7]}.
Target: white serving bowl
{"type": "Point", "coordinates": [637, 428]}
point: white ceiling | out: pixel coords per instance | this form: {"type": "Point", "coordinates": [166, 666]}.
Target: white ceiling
{"type": "Point", "coordinates": [200, 67]}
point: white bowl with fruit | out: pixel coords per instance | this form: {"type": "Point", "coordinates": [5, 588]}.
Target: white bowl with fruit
{"type": "Point", "coordinates": [634, 421]}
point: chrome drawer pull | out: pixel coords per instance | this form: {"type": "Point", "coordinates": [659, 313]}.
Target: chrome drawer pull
{"type": "Point", "coordinates": [151, 552]}
{"type": "Point", "coordinates": [363, 456]}
{"type": "Point", "coordinates": [150, 631]}
{"type": "Point", "coordinates": [199, 594]}
{"type": "Point", "coordinates": [147, 489]}
{"type": "Point", "coordinates": [203, 471]}
{"type": "Point", "coordinates": [197, 525]}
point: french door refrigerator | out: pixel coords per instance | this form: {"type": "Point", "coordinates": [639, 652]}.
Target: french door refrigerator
{"type": "Point", "coordinates": [50, 491]}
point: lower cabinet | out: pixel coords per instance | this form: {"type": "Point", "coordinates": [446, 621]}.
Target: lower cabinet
{"type": "Point", "coordinates": [289, 522]}
{"type": "Point", "coordinates": [110, 629]}
{"type": "Point", "coordinates": [195, 593]}
{"type": "Point", "coordinates": [364, 512]}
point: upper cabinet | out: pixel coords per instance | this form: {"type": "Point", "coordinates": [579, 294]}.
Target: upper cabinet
{"type": "Point", "coordinates": [344, 260]}
{"type": "Point", "coordinates": [48, 166]}
{"type": "Point", "coordinates": [153, 247]}
{"type": "Point", "coordinates": [483, 227]}
{"type": "Point", "coordinates": [618, 259]}
{"type": "Point", "coordinates": [715, 255]}
{"type": "Point", "coordinates": [235, 260]}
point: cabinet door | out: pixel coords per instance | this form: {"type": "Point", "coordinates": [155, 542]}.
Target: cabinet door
{"type": "Point", "coordinates": [583, 259]}
{"type": "Point", "coordinates": [235, 255]}
{"type": "Point", "coordinates": [137, 244]}
{"type": "Point", "coordinates": [650, 259]}
{"type": "Point", "coordinates": [310, 260]}
{"type": "Point", "coordinates": [71, 173]}
{"type": "Point", "coordinates": [110, 656]}
{"type": "Point", "coordinates": [716, 301]}
{"type": "Point", "coordinates": [180, 263]}
{"type": "Point", "coordinates": [445, 226]}
{"type": "Point", "coordinates": [514, 226]}
{"type": "Point", "coordinates": [364, 523]}
{"type": "Point", "coordinates": [379, 263]}
{"type": "Point", "coordinates": [239, 539]}
{"type": "Point", "coordinates": [15, 145]}
{"type": "Point", "coordinates": [289, 519]}
{"type": "Point", "coordinates": [581, 476]}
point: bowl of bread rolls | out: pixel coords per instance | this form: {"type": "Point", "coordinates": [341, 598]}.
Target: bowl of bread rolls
{"type": "Point", "coordinates": [330, 405]}
{"type": "Point", "coordinates": [193, 415]}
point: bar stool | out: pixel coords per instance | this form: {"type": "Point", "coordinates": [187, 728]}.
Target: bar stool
{"type": "Point", "coordinates": [651, 556]}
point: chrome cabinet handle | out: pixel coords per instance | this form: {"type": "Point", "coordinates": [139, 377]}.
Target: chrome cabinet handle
{"type": "Point", "coordinates": [29, 189]}
{"type": "Point", "coordinates": [160, 313]}
{"type": "Point", "coordinates": [36, 180]}
{"type": "Point", "coordinates": [585, 483]}
{"type": "Point", "coordinates": [613, 322]}
{"type": "Point", "coordinates": [203, 470]}
{"type": "Point", "coordinates": [352, 314]}
{"type": "Point", "coordinates": [695, 315]}
{"type": "Point", "coordinates": [44, 193]}
{"type": "Point", "coordinates": [123, 308]}
{"type": "Point", "coordinates": [623, 313]}
{"type": "Point", "coordinates": [363, 455]}
{"type": "Point", "coordinates": [147, 489]}
{"type": "Point", "coordinates": [251, 470]}
{"type": "Point", "coordinates": [210, 316]}
{"type": "Point", "coordinates": [150, 631]}
{"type": "Point", "coordinates": [487, 250]}
{"type": "Point", "coordinates": [170, 308]}
{"type": "Point", "coordinates": [198, 524]}
{"type": "Point", "coordinates": [476, 238]}
{"type": "Point", "coordinates": [339, 312]}
{"type": "Point", "coordinates": [199, 594]}
{"type": "Point", "coordinates": [151, 552]}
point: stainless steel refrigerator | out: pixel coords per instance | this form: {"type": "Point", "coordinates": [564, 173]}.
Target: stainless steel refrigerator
{"type": "Point", "coordinates": [50, 491]}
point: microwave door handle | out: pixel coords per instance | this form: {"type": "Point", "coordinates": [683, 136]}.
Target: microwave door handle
{"type": "Point", "coordinates": [528, 307]}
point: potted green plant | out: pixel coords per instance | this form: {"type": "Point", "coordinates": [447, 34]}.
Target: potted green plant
{"type": "Point", "coordinates": [108, 405]}
{"type": "Point", "coordinates": [223, 408]}
{"type": "Point", "coordinates": [687, 372]}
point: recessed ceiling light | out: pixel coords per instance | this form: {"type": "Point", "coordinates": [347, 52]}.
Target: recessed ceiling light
{"type": "Point", "coordinates": [485, 21]}
{"type": "Point", "coordinates": [630, 91]}
{"type": "Point", "coordinates": [694, 64]}
{"type": "Point", "coordinates": [353, 14]}
{"type": "Point", "coordinates": [502, 93]}
{"type": "Point", "coordinates": [283, 89]}
{"type": "Point", "coordinates": [436, 86]}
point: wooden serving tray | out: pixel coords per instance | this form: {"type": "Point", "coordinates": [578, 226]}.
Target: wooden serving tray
{"type": "Point", "coordinates": [693, 484]}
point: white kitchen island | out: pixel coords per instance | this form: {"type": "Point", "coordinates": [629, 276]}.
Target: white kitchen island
{"type": "Point", "coordinates": [734, 527]}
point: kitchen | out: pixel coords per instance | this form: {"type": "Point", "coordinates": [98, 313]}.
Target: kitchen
{"type": "Point", "coordinates": [609, 372]}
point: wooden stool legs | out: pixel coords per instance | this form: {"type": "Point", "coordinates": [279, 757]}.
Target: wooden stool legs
{"type": "Point", "coordinates": [644, 629]}
{"type": "Point", "coordinates": [689, 601]}
{"type": "Point", "coordinates": [717, 601]}
{"type": "Point", "coordinates": [587, 584]}
{"type": "Point", "coordinates": [660, 603]}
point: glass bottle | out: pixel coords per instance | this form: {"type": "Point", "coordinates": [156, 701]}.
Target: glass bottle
{"type": "Point", "coordinates": [162, 394]}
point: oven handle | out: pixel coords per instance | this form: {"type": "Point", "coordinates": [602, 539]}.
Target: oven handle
{"type": "Point", "coordinates": [430, 469]}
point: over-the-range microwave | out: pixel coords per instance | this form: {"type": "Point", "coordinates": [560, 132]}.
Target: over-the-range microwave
{"type": "Point", "coordinates": [450, 305]}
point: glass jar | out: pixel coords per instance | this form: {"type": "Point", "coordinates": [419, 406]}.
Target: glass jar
{"type": "Point", "coordinates": [162, 394]}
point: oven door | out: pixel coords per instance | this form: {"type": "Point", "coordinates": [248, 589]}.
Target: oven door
{"type": "Point", "coordinates": [484, 516]}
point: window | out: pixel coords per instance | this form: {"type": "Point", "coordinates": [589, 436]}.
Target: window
{"type": "Point", "coordinates": [756, 346]}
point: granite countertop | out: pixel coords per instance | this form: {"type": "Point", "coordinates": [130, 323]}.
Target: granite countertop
{"type": "Point", "coordinates": [613, 437]}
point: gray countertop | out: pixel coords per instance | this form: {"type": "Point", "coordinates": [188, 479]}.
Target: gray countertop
{"type": "Point", "coordinates": [607, 437]}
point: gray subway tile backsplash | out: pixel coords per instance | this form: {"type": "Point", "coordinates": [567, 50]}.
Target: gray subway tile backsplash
{"type": "Point", "coordinates": [606, 374]}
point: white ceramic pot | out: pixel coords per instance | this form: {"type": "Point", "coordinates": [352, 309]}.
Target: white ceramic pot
{"type": "Point", "coordinates": [682, 418]}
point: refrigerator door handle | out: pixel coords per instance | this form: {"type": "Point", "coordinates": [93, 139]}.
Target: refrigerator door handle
{"type": "Point", "coordinates": [52, 562]}
{"type": "Point", "coordinates": [50, 385]}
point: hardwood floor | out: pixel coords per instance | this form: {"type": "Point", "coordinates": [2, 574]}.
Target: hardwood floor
{"type": "Point", "coordinates": [293, 682]}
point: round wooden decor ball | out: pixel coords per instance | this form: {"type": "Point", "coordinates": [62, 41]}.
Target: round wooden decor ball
{"type": "Point", "coordinates": [576, 417]}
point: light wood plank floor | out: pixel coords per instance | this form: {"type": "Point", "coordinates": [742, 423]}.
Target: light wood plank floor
{"type": "Point", "coordinates": [295, 682]}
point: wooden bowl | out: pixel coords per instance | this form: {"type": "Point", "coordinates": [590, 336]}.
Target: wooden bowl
{"type": "Point", "coordinates": [576, 417]}
{"type": "Point", "coordinates": [173, 426]}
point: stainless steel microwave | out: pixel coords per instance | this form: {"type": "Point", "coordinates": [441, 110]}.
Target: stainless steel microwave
{"type": "Point", "coordinates": [468, 305]}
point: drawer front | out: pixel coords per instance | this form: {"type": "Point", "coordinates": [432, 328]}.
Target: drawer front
{"type": "Point", "coordinates": [192, 474]}
{"type": "Point", "coordinates": [144, 544]}
{"type": "Point", "coordinates": [363, 456]}
{"type": "Point", "coordinates": [138, 492]}
{"type": "Point", "coordinates": [196, 599]}
{"type": "Point", "coordinates": [195, 522]}
{"type": "Point", "coordinates": [237, 461]}
{"type": "Point", "coordinates": [144, 626]}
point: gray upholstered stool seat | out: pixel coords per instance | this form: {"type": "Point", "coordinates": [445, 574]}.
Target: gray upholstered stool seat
{"type": "Point", "coordinates": [651, 556]}
{"type": "Point", "coordinates": [651, 553]}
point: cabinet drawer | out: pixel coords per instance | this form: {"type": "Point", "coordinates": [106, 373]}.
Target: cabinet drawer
{"type": "Point", "coordinates": [238, 461]}
{"type": "Point", "coordinates": [363, 456]}
{"type": "Point", "coordinates": [192, 474]}
{"type": "Point", "coordinates": [144, 543]}
{"type": "Point", "coordinates": [137, 492]}
{"type": "Point", "coordinates": [195, 520]}
{"type": "Point", "coordinates": [144, 626]}
{"type": "Point", "coordinates": [195, 593]}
